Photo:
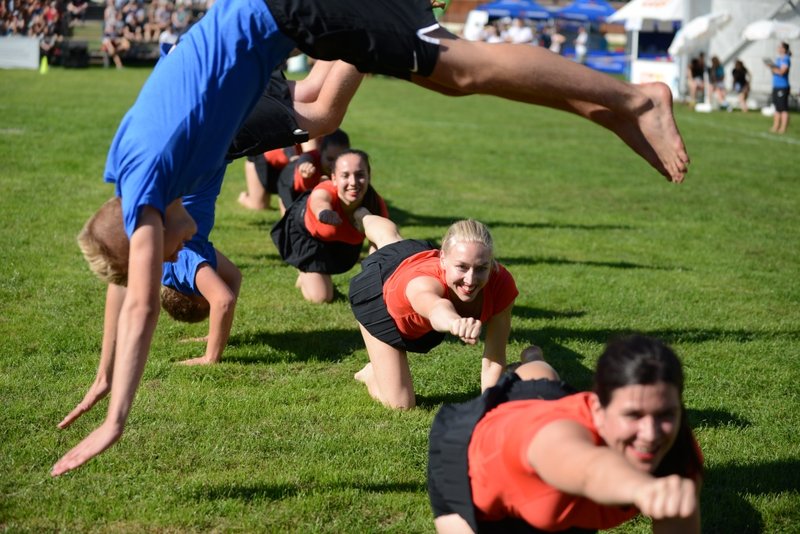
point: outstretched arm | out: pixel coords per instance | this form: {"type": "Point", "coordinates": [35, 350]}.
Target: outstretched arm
{"type": "Point", "coordinates": [427, 298]}
{"type": "Point", "coordinates": [115, 295]}
{"type": "Point", "coordinates": [137, 322]}
{"type": "Point", "coordinates": [498, 328]}
{"type": "Point", "coordinates": [320, 203]}
{"type": "Point", "coordinates": [565, 457]}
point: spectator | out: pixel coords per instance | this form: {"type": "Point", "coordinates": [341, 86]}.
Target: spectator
{"type": "Point", "coordinates": [519, 32]}
{"type": "Point", "coordinates": [581, 45]}
{"type": "Point", "coordinates": [181, 18]}
{"type": "Point", "coordinates": [77, 11]}
{"type": "Point", "coordinates": [716, 81]}
{"type": "Point", "coordinates": [696, 81]}
{"type": "Point", "coordinates": [114, 42]}
{"type": "Point", "coordinates": [780, 88]}
{"type": "Point", "coordinates": [741, 83]}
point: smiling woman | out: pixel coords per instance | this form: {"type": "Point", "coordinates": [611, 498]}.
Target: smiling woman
{"type": "Point", "coordinates": [317, 233]}
{"type": "Point", "coordinates": [409, 295]}
{"type": "Point", "coordinates": [560, 461]}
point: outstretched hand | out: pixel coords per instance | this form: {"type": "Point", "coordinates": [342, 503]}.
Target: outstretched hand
{"type": "Point", "coordinates": [329, 217]}
{"type": "Point", "coordinates": [306, 169]}
{"type": "Point", "coordinates": [96, 392]}
{"type": "Point", "coordinates": [468, 329]}
{"type": "Point", "coordinates": [667, 498]}
{"type": "Point", "coordinates": [99, 440]}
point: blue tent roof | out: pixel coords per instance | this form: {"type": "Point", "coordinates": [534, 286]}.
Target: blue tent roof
{"type": "Point", "coordinates": [527, 9]}
{"type": "Point", "coordinates": [586, 11]}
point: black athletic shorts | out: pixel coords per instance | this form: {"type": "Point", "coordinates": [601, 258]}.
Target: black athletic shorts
{"type": "Point", "coordinates": [448, 467]}
{"type": "Point", "coordinates": [780, 98]}
{"type": "Point", "coordinates": [271, 124]}
{"type": "Point", "coordinates": [377, 36]}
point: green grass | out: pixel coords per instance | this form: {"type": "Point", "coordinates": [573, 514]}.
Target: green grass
{"type": "Point", "coordinates": [279, 437]}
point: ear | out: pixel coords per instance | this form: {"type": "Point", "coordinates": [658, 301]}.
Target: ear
{"type": "Point", "coordinates": [598, 412]}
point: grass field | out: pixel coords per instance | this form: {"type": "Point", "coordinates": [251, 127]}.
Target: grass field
{"type": "Point", "coordinates": [279, 437]}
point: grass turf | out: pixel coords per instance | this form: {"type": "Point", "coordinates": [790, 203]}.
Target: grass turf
{"type": "Point", "coordinates": [279, 437]}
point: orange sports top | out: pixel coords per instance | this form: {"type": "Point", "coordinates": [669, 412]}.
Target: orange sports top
{"type": "Point", "coordinates": [503, 483]}
{"type": "Point", "coordinates": [498, 293]}
{"type": "Point", "coordinates": [344, 232]}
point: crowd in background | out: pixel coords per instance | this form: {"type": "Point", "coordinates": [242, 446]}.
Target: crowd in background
{"type": "Point", "coordinates": [547, 35]}
{"type": "Point", "coordinates": [124, 21]}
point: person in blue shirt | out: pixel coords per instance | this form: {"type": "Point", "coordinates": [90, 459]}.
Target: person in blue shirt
{"type": "Point", "coordinates": [781, 89]}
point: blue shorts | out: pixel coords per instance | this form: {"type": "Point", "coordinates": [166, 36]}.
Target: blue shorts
{"type": "Point", "coordinates": [174, 139]}
{"type": "Point", "coordinates": [180, 275]}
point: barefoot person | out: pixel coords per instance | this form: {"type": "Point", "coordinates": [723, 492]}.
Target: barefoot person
{"type": "Point", "coordinates": [409, 295]}
{"type": "Point", "coordinates": [176, 134]}
{"type": "Point", "coordinates": [555, 460]}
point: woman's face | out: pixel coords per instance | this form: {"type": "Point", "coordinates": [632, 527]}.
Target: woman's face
{"type": "Point", "coordinates": [641, 422]}
{"type": "Point", "coordinates": [351, 179]}
{"type": "Point", "coordinates": [467, 265]}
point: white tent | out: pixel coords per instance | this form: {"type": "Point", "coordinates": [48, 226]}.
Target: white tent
{"type": "Point", "coordinates": [636, 12]}
{"type": "Point", "coordinates": [649, 15]}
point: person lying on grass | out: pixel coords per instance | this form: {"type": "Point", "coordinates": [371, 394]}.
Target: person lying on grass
{"type": "Point", "coordinates": [533, 455]}
{"type": "Point", "coordinates": [409, 295]}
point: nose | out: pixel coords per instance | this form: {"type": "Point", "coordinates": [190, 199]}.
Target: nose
{"type": "Point", "coordinates": [468, 276]}
{"type": "Point", "coordinates": [649, 429]}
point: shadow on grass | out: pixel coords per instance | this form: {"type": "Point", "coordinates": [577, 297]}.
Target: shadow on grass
{"type": "Point", "coordinates": [319, 345]}
{"type": "Point", "coordinates": [561, 261]}
{"type": "Point", "coordinates": [406, 218]}
{"type": "Point", "coordinates": [712, 418]}
{"type": "Point", "coordinates": [724, 488]}
{"type": "Point", "coordinates": [528, 312]}
{"type": "Point", "coordinates": [277, 492]}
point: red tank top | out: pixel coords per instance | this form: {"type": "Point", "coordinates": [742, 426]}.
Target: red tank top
{"type": "Point", "coordinates": [498, 293]}
{"type": "Point", "coordinates": [503, 483]}
{"type": "Point", "coordinates": [344, 232]}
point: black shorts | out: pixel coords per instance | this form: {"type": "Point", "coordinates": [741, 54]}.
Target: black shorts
{"type": "Point", "coordinates": [448, 468]}
{"type": "Point", "coordinates": [366, 296]}
{"type": "Point", "coordinates": [378, 37]}
{"type": "Point", "coordinates": [298, 248]}
{"type": "Point", "coordinates": [780, 99]}
{"type": "Point", "coordinates": [271, 124]}
{"type": "Point", "coordinates": [285, 182]}
{"type": "Point", "coordinates": [267, 174]}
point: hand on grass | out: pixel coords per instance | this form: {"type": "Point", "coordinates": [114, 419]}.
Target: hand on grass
{"type": "Point", "coordinates": [97, 391]}
{"type": "Point", "coordinates": [99, 440]}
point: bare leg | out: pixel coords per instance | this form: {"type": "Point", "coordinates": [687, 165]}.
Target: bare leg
{"type": "Point", "coordinates": [783, 121]}
{"type": "Point", "coordinates": [452, 524]}
{"type": "Point", "coordinates": [256, 197]}
{"type": "Point", "coordinates": [379, 230]}
{"type": "Point", "coordinates": [537, 76]}
{"type": "Point", "coordinates": [387, 376]}
{"type": "Point", "coordinates": [316, 287]}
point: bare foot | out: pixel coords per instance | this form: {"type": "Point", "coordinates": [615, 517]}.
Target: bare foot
{"type": "Point", "coordinates": [658, 127]}
{"type": "Point", "coordinates": [250, 203]}
{"type": "Point", "coordinates": [364, 374]}
{"type": "Point", "coordinates": [199, 361]}
{"type": "Point", "coordinates": [194, 340]}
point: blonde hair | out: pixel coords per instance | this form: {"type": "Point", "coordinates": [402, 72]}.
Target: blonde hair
{"type": "Point", "coordinates": [105, 245]}
{"type": "Point", "coordinates": [468, 231]}
{"type": "Point", "coordinates": [182, 307]}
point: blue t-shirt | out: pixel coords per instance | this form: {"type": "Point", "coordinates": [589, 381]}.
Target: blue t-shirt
{"type": "Point", "coordinates": [180, 275]}
{"type": "Point", "coordinates": [781, 81]}
{"type": "Point", "coordinates": [173, 140]}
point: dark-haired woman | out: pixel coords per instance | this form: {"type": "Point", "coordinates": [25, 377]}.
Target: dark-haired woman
{"type": "Point", "coordinates": [554, 460]}
{"type": "Point", "coordinates": [317, 233]}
